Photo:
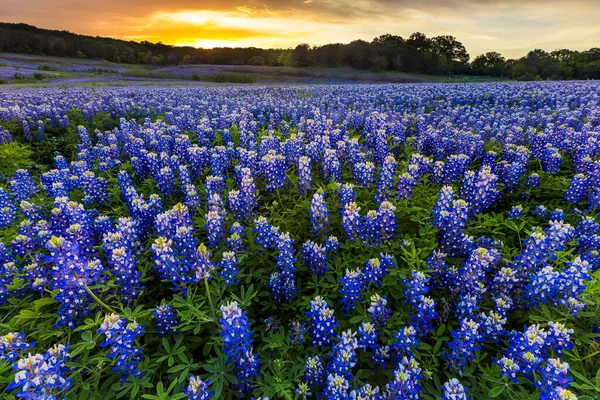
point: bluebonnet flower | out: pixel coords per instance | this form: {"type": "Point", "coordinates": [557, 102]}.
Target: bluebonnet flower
{"type": "Point", "coordinates": [370, 231]}
{"type": "Point", "coordinates": [22, 185]}
{"type": "Point", "coordinates": [466, 341]}
{"type": "Point", "coordinates": [407, 381]}
{"type": "Point", "coordinates": [353, 287]}
{"type": "Point", "coordinates": [215, 227]}
{"type": "Point", "coordinates": [367, 392]}
{"type": "Point", "coordinates": [272, 323]}
{"type": "Point", "coordinates": [551, 160]}
{"type": "Point", "coordinates": [266, 234]}
{"type": "Point", "coordinates": [202, 264]}
{"type": "Point", "coordinates": [364, 173]}
{"type": "Point", "coordinates": [480, 190]}
{"type": "Point", "coordinates": [346, 195]}
{"type": "Point", "coordinates": [406, 184]}
{"type": "Point", "coordinates": [72, 272]}
{"type": "Point", "coordinates": [468, 280]}
{"type": "Point", "coordinates": [528, 350]}
{"type": "Point", "coordinates": [536, 251]}
{"type": "Point", "coordinates": [283, 283]}
{"type": "Point", "coordinates": [343, 357]}
{"type": "Point", "coordinates": [27, 130]}
{"type": "Point", "coordinates": [492, 325]}
{"type": "Point", "coordinates": [228, 268]}
{"type": "Point", "coordinates": [336, 387]}
{"type": "Point", "coordinates": [385, 179]}
{"type": "Point", "coordinates": [540, 210]}
{"type": "Point", "coordinates": [234, 241]}
{"type": "Point", "coordinates": [378, 310]}
{"type": "Point", "coordinates": [198, 389]}
{"type": "Point", "coordinates": [386, 220]}
{"type": "Point", "coordinates": [192, 198]}
{"type": "Point", "coordinates": [22, 245]}
{"type": "Point", "coordinates": [319, 215]}
{"type": "Point", "coordinates": [5, 136]}
{"type": "Point", "coordinates": [12, 345]}
{"type": "Point", "coordinates": [297, 333]}
{"type": "Point", "coordinates": [560, 287]}
{"type": "Point", "coordinates": [351, 221]}
{"type": "Point", "coordinates": [166, 181]}
{"type": "Point", "coordinates": [176, 224]}
{"type": "Point", "coordinates": [557, 215]}
{"type": "Point", "coordinates": [315, 258]}
{"type": "Point", "coordinates": [451, 217]}
{"type": "Point", "coordinates": [121, 336]}
{"type": "Point", "coordinates": [124, 267]}
{"type": "Point", "coordinates": [552, 377]}
{"type": "Point", "coordinates": [533, 181]}
{"type": "Point", "coordinates": [8, 211]}
{"type": "Point", "coordinates": [453, 390]}
{"type": "Point", "coordinates": [577, 190]}
{"type": "Point", "coordinates": [43, 376]}
{"type": "Point", "coordinates": [332, 244]}
{"type": "Point", "coordinates": [330, 166]}
{"type": "Point", "coordinates": [219, 160]}
{"type": "Point", "coordinates": [303, 390]}
{"type": "Point", "coordinates": [167, 264]}
{"type": "Point", "coordinates": [304, 175]}
{"type": "Point", "coordinates": [376, 269]}
{"type": "Point", "coordinates": [368, 336]}
{"type": "Point", "coordinates": [323, 323]}
{"type": "Point", "coordinates": [314, 373]}
{"type": "Point", "coordinates": [214, 184]}
{"type": "Point", "coordinates": [424, 315]}
{"type": "Point", "coordinates": [166, 319]}
{"type": "Point", "coordinates": [248, 193]}
{"type": "Point", "coordinates": [405, 340]}
{"type": "Point", "coordinates": [237, 341]}
{"type": "Point", "coordinates": [416, 287]}
{"type": "Point", "coordinates": [95, 189]}
{"type": "Point", "coordinates": [559, 337]}
{"type": "Point", "coordinates": [273, 170]}
{"type": "Point", "coordinates": [515, 212]}
{"type": "Point", "coordinates": [31, 211]}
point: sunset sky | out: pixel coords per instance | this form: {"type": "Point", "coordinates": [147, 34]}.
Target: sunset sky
{"type": "Point", "coordinates": [511, 27]}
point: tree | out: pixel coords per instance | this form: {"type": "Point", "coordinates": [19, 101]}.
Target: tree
{"type": "Point", "coordinates": [391, 47]}
{"type": "Point", "coordinates": [256, 60]}
{"type": "Point", "coordinates": [491, 63]}
{"type": "Point", "coordinates": [285, 58]}
{"type": "Point", "coordinates": [301, 55]}
{"type": "Point", "coordinates": [187, 59]}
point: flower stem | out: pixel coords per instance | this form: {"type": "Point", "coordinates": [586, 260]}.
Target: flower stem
{"type": "Point", "coordinates": [97, 300]}
{"type": "Point", "coordinates": [212, 306]}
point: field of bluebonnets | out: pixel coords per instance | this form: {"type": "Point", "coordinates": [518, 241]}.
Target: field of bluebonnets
{"type": "Point", "coordinates": [330, 242]}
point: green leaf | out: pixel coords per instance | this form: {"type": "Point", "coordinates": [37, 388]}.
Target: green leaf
{"type": "Point", "coordinates": [166, 345]}
{"type": "Point", "coordinates": [43, 302]}
{"type": "Point", "coordinates": [496, 391]}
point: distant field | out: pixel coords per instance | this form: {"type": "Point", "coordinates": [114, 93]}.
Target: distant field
{"type": "Point", "coordinates": [25, 69]}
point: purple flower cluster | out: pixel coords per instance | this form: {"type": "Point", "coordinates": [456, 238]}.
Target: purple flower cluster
{"type": "Point", "coordinates": [237, 341]}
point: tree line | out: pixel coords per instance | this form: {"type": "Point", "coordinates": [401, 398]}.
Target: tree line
{"type": "Point", "coordinates": [439, 55]}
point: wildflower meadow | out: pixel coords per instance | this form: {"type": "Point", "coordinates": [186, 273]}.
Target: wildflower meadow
{"type": "Point", "coordinates": [428, 241]}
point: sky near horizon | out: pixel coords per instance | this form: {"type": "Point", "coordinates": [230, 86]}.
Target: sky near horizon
{"type": "Point", "coordinates": [510, 27]}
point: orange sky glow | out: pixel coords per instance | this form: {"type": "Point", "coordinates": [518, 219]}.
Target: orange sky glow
{"type": "Point", "coordinates": [511, 27]}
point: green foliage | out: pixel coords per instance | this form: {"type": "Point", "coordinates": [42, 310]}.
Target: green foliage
{"type": "Point", "coordinates": [14, 156]}
{"type": "Point", "coordinates": [196, 348]}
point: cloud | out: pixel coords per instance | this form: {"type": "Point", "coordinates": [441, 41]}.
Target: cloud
{"type": "Point", "coordinates": [512, 26]}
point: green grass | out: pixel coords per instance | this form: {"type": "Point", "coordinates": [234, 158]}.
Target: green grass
{"type": "Point", "coordinates": [459, 78]}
